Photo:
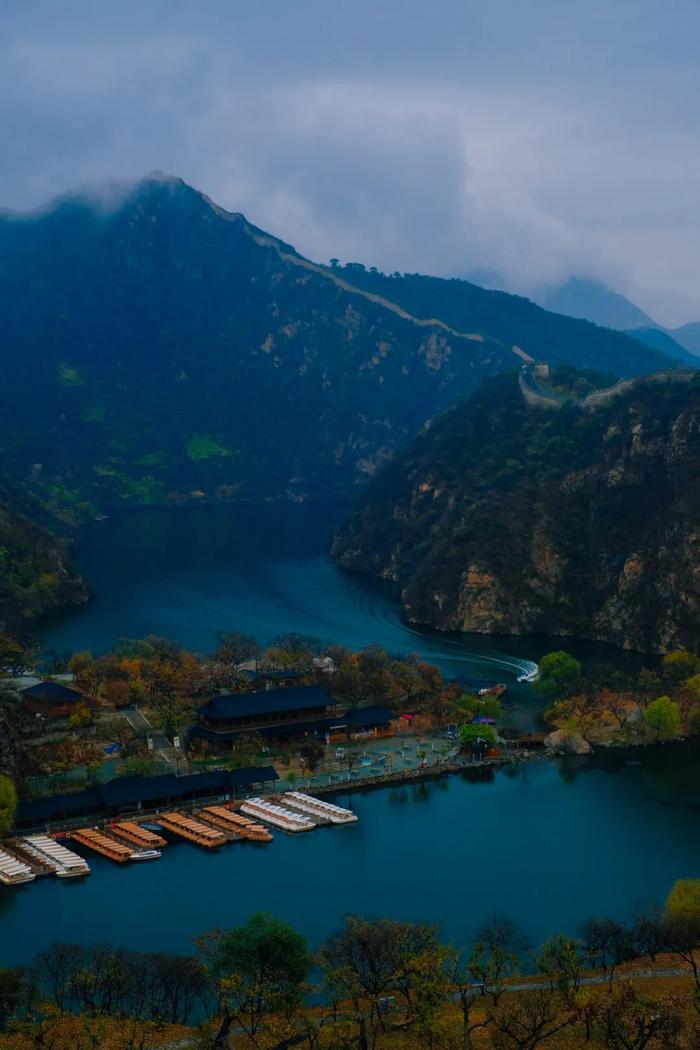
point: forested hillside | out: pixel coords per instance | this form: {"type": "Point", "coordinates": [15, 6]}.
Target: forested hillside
{"type": "Point", "coordinates": [35, 574]}
{"type": "Point", "coordinates": [504, 518]}
{"type": "Point", "coordinates": [165, 349]}
{"type": "Point", "coordinates": [543, 335]}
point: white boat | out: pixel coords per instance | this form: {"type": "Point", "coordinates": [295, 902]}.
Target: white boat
{"type": "Point", "coordinates": [14, 872]}
{"type": "Point", "coordinates": [278, 816]}
{"type": "Point", "coordinates": [317, 807]}
{"type": "Point", "coordinates": [147, 854]}
{"type": "Point", "coordinates": [66, 864]}
{"type": "Point", "coordinates": [529, 676]}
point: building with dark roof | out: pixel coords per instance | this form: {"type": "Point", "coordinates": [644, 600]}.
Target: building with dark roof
{"type": "Point", "coordinates": [41, 812]}
{"type": "Point", "coordinates": [51, 699]}
{"type": "Point", "coordinates": [376, 716]}
{"type": "Point", "coordinates": [124, 795]}
{"type": "Point", "coordinates": [271, 712]}
{"type": "Point", "coordinates": [227, 718]}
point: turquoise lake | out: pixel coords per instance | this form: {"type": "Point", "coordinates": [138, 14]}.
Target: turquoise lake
{"type": "Point", "coordinates": [549, 843]}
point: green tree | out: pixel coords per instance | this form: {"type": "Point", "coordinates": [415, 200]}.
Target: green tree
{"type": "Point", "coordinates": [81, 717]}
{"type": "Point", "coordinates": [560, 674]}
{"type": "Point", "coordinates": [663, 718]}
{"type": "Point", "coordinates": [680, 923]}
{"type": "Point", "coordinates": [683, 902]}
{"type": "Point", "coordinates": [260, 969]}
{"type": "Point", "coordinates": [489, 706]}
{"type": "Point", "coordinates": [560, 960]}
{"type": "Point", "coordinates": [680, 665]}
{"type": "Point", "coordinates": [8, 805]}
{"type": "Point", "coordinates": [470, 733]}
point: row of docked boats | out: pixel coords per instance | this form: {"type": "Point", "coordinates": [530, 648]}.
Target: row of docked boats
{"type": "Point", "coordinates": [23, 859]}
{"type": "Point", "coordinates": [112, 847]}
{"type": "Point", "coordinates": [236, 823]}
{"type": "Point", "coordinates": [312, 807]}
{"type": "Point", "coordinates": [14, 871]}
{"type": "Point", "coordinates": [295, 811]}
{"type": "Point", "coordinates": [278, 816]}
{"type": "Point", "coordinates": [48, 853]}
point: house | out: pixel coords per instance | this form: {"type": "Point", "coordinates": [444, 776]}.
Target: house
{"type": "Point", "coordinates": [279, 714]}
{"type": "Point", "coordinates": [51, 699]}
{"type": "Point", "coordinates": [275, 713]}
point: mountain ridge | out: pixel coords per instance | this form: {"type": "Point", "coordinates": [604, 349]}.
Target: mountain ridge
{"type": "Point", "coordinates": [503, 518]}
{"type": "Point", "coordinates": [175, 351]}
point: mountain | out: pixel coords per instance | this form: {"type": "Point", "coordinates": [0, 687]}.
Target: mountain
{"type": "Point", "coordinates": [660, 339]}
{"type": "Point", "coordinates": [594, 301]}
{"type": "Point", "coordinates": [162, 348]}
{"type": "Point", "coordinates": [35, 573]}
{"type": "Point", "coordinates": [688, 335]}
{"type": "Point", "coordinates": [512, 320]}
{"type": "Point", "coordinates": [512, 519]}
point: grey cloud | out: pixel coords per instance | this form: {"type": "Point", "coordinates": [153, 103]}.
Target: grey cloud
{"type": "Point", "coordinates": [535, 140]}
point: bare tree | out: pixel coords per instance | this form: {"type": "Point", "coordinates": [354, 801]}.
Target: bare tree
{"type": "Point", "coordinates": [499, 944]}
{"type": "Point", "coordinates": [607, 944]}
{"type": "Point", "coordinates": [527, 1020]}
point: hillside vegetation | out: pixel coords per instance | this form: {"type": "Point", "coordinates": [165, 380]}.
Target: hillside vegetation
{"type": "Point", "coordinates": [35, 574]}
{"type": "Point", "coordinates": [507, 519]}
{"type": "Point", "coordinates": [165, 349]}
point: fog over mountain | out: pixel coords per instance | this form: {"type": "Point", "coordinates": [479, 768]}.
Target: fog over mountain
{"type": "Point", "coordinates": [540, 141]}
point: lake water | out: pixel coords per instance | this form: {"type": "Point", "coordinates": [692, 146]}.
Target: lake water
{"type": "Point", "coordinates": [549, 844]}
{"type": "Point", "coordinates": [264, 570]}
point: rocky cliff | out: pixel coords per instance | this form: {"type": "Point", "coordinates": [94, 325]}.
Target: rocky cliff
{"type": "Point", "coordinates": [504, 518]}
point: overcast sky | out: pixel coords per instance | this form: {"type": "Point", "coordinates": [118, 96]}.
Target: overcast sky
{"type": "Point", "coordinates": [534, 138]}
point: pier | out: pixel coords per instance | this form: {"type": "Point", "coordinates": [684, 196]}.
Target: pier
{"type": "Point", "coordinates": [192, 830]}
{"type": "Point", "coordinates": [39, 867]}
{"type": "Point", "coordinates": [134, 835]}
{"type": "Point", "coordinates": [13, 872]}
{"type": "Point", "coordinates": [65, 863]}
{"type": "Point", "coordinates": [229, 820]}
{"type": "Point", "coordinates": [100, 843]}
{"type": "Point", "coordinates": [312, 807]}
{"type": "Point", "coordinates": [278, 816]}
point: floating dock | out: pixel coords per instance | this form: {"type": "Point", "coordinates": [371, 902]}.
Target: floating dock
{"type": "Point", "coordinates": [14, 872]}
{"type": "Point", "coordinates": [100, 843]}
{"type": "Point", "coordinates": [39, 867]}
{"type": "Point", "coordinates": [192, 830]}
{"type": "Point", "coordinates": [278, 816]}
{"type": "Point", "coordinates": [134, 835]}
{"type": "Point", "coordinates": [318, 808]}
{"type": "Point", "coordinates": [236, 823]}
{"type": "Point", "coordinates": [66, 864]}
